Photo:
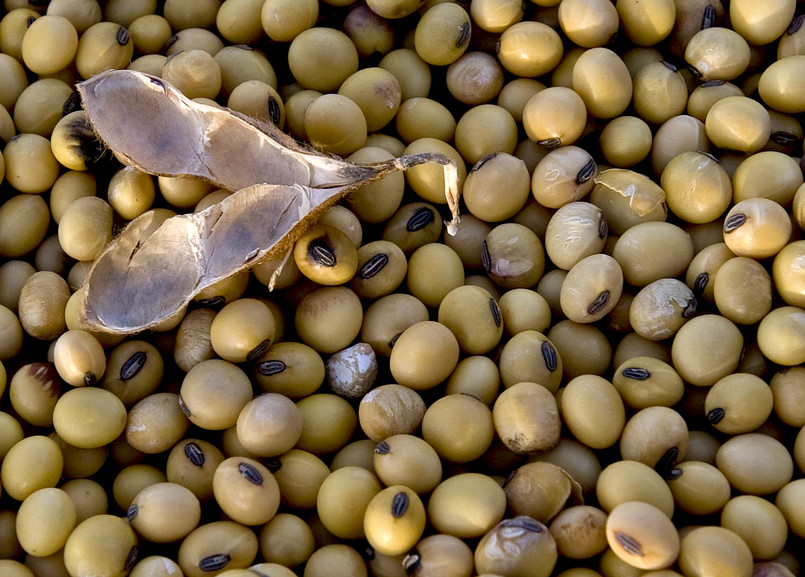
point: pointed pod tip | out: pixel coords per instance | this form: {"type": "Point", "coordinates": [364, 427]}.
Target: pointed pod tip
{"type": "Point", "coordinates": [452, 194]}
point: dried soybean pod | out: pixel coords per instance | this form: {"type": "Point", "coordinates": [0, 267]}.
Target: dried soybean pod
{"type": "Point", "coordinates": [293, 168]}
{"type": "Point", "coordinates": [101, 545]}
{"type": "Point", "coordinates": [526, 418]}
{"type": "Point", "coordinates": [642, 536]}
{"type": "Point", "coordinates": [517, 546]}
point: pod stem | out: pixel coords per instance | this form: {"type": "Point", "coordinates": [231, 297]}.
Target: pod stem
{"type": "Point", "coordinates": [451, 181]}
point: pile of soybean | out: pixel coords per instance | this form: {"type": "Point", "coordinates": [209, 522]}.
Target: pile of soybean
{"type": "Point", "coordinates": [598, 375]}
